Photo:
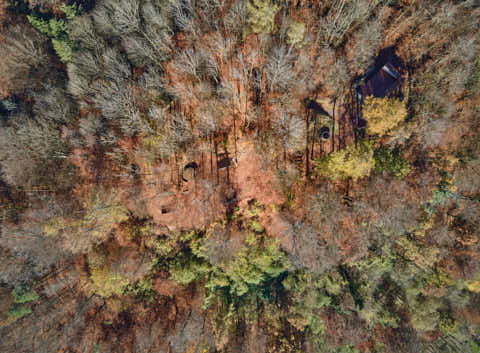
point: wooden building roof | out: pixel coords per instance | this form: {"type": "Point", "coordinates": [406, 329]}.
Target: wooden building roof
{"type": "Point", "coordinates": [380, 83]}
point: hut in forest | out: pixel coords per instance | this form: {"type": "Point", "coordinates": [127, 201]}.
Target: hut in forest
{"type": "Point", "coordinates": [380, 82]}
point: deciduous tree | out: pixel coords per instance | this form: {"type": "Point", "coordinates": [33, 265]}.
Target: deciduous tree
{"type": "Point", "coordinates": [353, 162]}
{"type": "Point", "coordinates": [383, 114]}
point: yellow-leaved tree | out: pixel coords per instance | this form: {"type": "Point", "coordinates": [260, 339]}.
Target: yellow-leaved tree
{"type": "Point", "coordinates": [352, 162]}
{"type": "Point", "coordinates": [107, 283]}
{"type": "Point", "coordinates": [296, 34]}
{"type": "Point", "coordinates": [261, 15]}
{"type": "Point", "coordinates": [383, 114]}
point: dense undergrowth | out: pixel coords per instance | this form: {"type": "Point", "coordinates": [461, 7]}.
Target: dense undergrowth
{"type": "Point", "coordinates": [164, 185]}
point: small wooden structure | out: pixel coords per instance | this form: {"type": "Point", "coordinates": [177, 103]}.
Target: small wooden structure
{"type": "Point", "coordinates": [382, 82]}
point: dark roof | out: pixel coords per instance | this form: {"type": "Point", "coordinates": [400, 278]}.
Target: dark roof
{"type": "Point", "coordinates": [380, 82]}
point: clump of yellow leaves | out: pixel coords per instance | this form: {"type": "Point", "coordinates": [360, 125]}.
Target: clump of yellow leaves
{"type": "Point", "coordinates": [107, 282]}
{"type": "Point", "coordinates": [296, 34]}
{"type": "Point", "coordinates": [353, 162]}
{"type": "Point", "coordinates": [261, 16]}
{"type": "Point", "coordinates": [383, 114]}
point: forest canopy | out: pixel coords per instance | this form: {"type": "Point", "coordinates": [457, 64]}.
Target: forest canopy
{"type": "Point", "coordinates": [209, 176]}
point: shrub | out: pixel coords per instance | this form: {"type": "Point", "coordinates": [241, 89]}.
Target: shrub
{"type": "Point", "coordinates": [19, 311]}
{"type": "Point", "coordinates": [161, 245]}
{"type": "Point", "coordinates": [475, 347]}
{"type": "Point", "coordinates": [447, 325]}
{"type": "Point", "coordinates": [391, 161]}
{"type": "Point", "coordinates": [442, 195]}
{"type": "Point", "coordinates": [23, 294]}
{"type": "Point", "coordinates": [353, 162]}
{"type": "Point", "coordinates": [143, 288]}
{"type": "Point", "coordinates": [254, 207]}
{"type": "Point", "coordinates": [383, 114]}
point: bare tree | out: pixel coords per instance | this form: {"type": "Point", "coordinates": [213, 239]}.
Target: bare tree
{"type": "Point", "coordinates": [291, 131]}
{"type": "Point", "coordinates": [279, 69]}
{"type": "Point", "coordinates": [82, 230]}
{"type": "Point", "coordinates": [88, 65]}
{"type": "Point", "coordinates": [223, 45]}
{"type": "Point", "coordinates": [155, 19]}
{"type": "Point", "coordinates": [309, 251]}
{"type": "Point", "coordinates": [156, 33]}
{"type": "Point", "coordinates": [153, 78]}
{"type": "Point", "coordinates": [365, 44]}
{"type": "Point", "coordinates": [24, 60]}
{"type": "Point", "coordinates": [207, 10]}
{"type": "Point", "coordinates": [78, 84]}
{"type": "Point", "coordinates": [183, 15]}
{"type": "Point", "coordinates": [236, 18]}
{"type": "Point", "coordinates": [82, 31]}
{"type": "Point", "coordinates": [23, 49]}
{"type": "Point", "coordinates": [197, 64]}
{"type": "Point", "coordinates": [116, 67]}
{"type": "Point", "coordinates": [53, 105]}
{"type": "Point", "coordinates": [337, 78]}
{"type": "Point", "coordinates": [342, 16]}
{"type": "Point", "coordinates": [31, 151]}
{"type": "Point", "coordinates": [118, 17]}
{"type": "Point", "coordinates": [180, 131]}
{"type": "Point", "coordinates": [189, 62]}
